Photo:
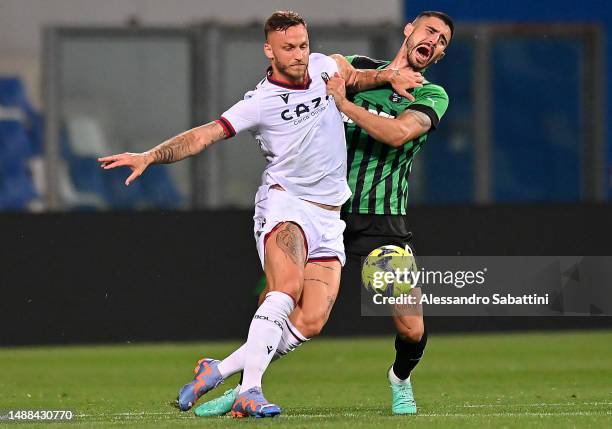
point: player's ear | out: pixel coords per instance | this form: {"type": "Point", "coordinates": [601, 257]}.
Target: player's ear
{"type": "Point", "coordinates": [440, 57]}
{"type": "Point", "coordinates": [267, 48]}
{"type": "Point", "coordinates": [408, 29]}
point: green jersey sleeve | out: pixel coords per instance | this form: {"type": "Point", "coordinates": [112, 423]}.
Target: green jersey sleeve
{"type": "Point", "coordinates": [361, 62]}
{"type": "Point", "coordinates": [432, 100]}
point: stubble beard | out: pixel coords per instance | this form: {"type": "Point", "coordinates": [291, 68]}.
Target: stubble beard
{"type": "Point", "coordinates": [414, 65]}
{"type": "Point", "coordinates": [291, 73]}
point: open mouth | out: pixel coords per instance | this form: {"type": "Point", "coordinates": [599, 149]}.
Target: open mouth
{"type": "Point", "coordinates": [424, 52]}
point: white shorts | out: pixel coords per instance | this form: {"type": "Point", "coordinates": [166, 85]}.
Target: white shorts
{"type": "Point", "coordinates": [322, 228]}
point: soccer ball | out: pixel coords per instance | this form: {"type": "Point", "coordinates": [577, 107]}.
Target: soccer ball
{"type": "Point", "coordinates": [380, 268]}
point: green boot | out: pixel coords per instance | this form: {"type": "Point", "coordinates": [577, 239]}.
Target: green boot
{"type": "Point", "coordinates": [218, 406]}
{"type": "Point", "coordinates": [401, 395]}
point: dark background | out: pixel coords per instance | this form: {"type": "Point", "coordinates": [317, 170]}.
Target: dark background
{"type": "Point", "coordinates": [541, 12]}
{"type": "Point", "coordinates": [116, 277]}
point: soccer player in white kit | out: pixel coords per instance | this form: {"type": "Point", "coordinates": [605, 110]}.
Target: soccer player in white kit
{"type": "Point", "coordinates": [298, 230]}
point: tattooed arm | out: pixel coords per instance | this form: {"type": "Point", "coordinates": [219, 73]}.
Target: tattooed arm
{"type": "Point", "coordinates": [359, 80]}
{"type": "Point", "coordinates": [393, 132]}
{"type": "Point", "coordinates": [186, 144]}
{"type": "Point", "coordinates": [175, 149]}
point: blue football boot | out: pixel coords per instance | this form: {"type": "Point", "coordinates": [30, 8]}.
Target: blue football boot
{"type": "Point", "coordinates": [253, 404]}
{"type": "Point", "coordinates": [207, 377]}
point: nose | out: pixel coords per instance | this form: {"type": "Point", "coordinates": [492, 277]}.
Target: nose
{"type": "Point", "coordinates": [299, 54]}
{"type": "Point", "coordinates": [434, 39]}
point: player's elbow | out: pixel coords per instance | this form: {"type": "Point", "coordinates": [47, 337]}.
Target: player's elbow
{"type": "Point", "coordinates": [339, 59]}
{"type": "Point", "coordinates": [396, 142]}
{"type": "Point", "coordinates": [390, 137]}
{"type": "Point", "coordinates": [399, 138]}
{"type": "Point", "coordinates": [398, 135]}
{"type": "Point", "coordinates": [404, 135]}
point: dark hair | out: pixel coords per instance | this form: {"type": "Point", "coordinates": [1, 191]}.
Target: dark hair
{"type": "Point", "coordinates": [281, 20]}
{"type": "Point", "coordinates": [440, 15]}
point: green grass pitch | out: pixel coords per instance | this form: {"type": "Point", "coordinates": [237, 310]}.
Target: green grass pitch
{"type": "Point", "coordinates": [543, 380]}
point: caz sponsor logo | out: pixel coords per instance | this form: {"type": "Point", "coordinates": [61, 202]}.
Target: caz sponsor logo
{"type": "Point", "coordinates": [302, 109]}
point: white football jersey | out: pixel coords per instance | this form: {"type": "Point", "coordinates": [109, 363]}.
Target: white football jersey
{"type": "Point", "coordinates": [300, 132]}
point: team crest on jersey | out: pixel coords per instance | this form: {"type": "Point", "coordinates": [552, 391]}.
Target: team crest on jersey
{"type": "Point", "coordinates": [285, 97]}
{"type": "Point", "coordinates": [396, 98]}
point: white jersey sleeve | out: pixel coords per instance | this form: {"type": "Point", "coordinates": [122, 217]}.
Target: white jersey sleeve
{"type": "Point", "coordinates": [332, 64]}
{"type": "Point", "coordinates": [243, 115]}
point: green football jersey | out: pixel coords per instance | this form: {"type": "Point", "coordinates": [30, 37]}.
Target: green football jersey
{"type": "Point", "coordinates": [378, 173]}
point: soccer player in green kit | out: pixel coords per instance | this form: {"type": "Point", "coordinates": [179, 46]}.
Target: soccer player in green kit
{"type": "Point", "coordinates": [384, 132]}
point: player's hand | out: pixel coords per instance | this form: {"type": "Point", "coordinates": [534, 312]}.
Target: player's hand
{"type": "Point", "coordinates": [336, 87]}
{"type": "Point", "coordinates": [137, 162]}
{"type": "Point", "coordinates": [404, 79]}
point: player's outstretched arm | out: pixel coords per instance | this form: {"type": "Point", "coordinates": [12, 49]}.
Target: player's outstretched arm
{"type": "Point", "coordinates": [393, 132]}
{"type": "Point", "coordinates": [186, 144]}
{"type": "Point", "coordinates": [359, 80]}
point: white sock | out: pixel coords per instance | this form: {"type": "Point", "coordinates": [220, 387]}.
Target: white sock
{"type": "Point", "coordinates": [265, 334]}
{"type": "Point", "coordinates": [290, 340]}
{"type": "Point", "coordinates": [395, 379]}
{"type": "Point", "coordinates": [233, 363]}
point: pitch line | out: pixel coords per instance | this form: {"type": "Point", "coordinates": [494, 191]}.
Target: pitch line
{"type": "Point", "coordinates": [561, 404]}
{"type": "Point", "coordinates": [514, 414]}
{"type": "Point", "coordinates": [353, 415]}
{"type": "Point", "coordinates": [128, 414]}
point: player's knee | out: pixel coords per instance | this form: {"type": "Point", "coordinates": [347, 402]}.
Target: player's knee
{"type": "Point", "coordinates": [291, 287]}
{"type": "Point", "coordinates": [411, 334]}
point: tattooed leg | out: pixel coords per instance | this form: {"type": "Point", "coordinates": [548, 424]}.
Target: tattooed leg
{"type": "Point", "coordinates": [291, 241]}
{"type": "Point", "coordinates": [321, 285]}
{"type": "Point", "coordinates": [285, 258]}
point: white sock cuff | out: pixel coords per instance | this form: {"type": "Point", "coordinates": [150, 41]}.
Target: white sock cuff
{"type": "Point", "coordinates": [295, 332]}
{"type": "Point", "coordinates": [282, 299]}
{"type": "Point", "coordinates": [395, 379]}
{"type": "Point", "coordinates": [291, 339]}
